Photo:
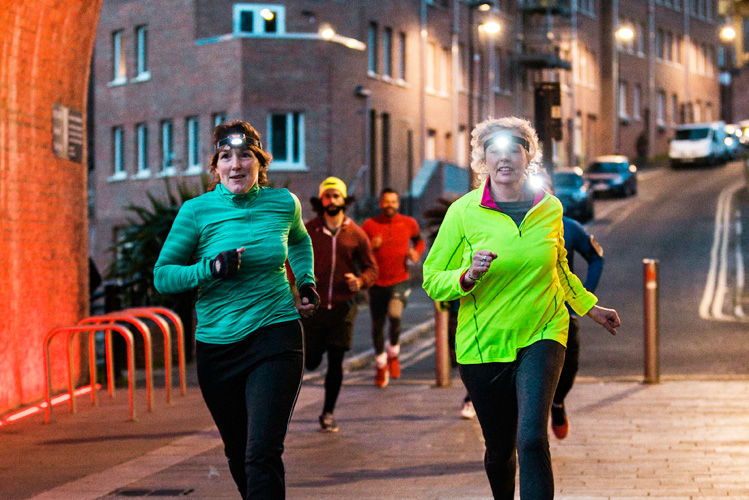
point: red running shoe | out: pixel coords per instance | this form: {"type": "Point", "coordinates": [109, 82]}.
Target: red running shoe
{"type": "Point", "coordinates": [394, 367]}
{"type": "Point", "coordinates": [560, 424]}
{"type": "Point", "coordinates": [381, 376]}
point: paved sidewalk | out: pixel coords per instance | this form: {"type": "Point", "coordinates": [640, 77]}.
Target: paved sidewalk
{"type": "Point", "coordinates": [680, 439]}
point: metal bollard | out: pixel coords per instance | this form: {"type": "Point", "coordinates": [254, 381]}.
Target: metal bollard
{"type": "Point", "coordinates": [652, 364]}
{"type": "Point", "coordinates": [441, 348]}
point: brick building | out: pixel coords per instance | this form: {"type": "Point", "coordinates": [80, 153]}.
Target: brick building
{"type": "Point", "coordinates": [384, 89]}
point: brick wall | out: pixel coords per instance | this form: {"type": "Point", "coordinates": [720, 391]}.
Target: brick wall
{"type": "Point", "coordinates": [45, 49]}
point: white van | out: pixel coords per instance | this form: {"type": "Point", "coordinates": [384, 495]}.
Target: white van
{"type": "Point", "coordinates": [699, 144]}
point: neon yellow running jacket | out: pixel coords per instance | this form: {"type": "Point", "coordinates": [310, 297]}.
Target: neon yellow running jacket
{"type": "Point", "coordinates": [520, 300]}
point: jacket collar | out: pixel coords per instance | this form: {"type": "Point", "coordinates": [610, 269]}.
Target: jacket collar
{"type": "Point", "coordinates": [238, 199]}
{"type": "Point", "coordinates": [488, 202]}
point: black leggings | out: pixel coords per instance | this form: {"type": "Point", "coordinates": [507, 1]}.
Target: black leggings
{"type": "Point", "coordinates": [512, 402]}
{"type": "Point", "coordinates": [334, 375]}
{"type": "Point", "coordinates": [250, 388]}
{"type": "Point", "coordinates": [571, 362]}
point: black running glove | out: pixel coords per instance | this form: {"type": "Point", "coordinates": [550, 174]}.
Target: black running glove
{"type": "Point", "coordinates": [225, 264]}
{"type": "Point", "coordinates": [310, 293]}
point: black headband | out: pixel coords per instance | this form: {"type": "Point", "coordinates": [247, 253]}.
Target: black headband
{"type": "Point", "coordinates": [237, 140]}
{"type": "Point", "coordinates": [510, 138]}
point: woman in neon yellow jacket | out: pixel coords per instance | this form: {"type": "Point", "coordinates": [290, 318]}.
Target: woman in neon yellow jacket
{"type": "Point", "coordinates": [500, 250]}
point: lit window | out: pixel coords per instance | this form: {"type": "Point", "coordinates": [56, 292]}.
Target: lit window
{"type": "Point", "coordinates": [167, 148]}
{"type": "Point", "coordinates": [255, 19]}
{"type": "Point", "coordinates": [141, 150]}
{"type": "Point", "coordinates": [286, 140]}
{"type": "Point", "coordinates": [118, 161]}
{"type": "Point", "coordinates": [141, 53]}
{"type": "Point", "coordinates": [119, 67]}
{"type": "Point", "coordinates": [193, 146]}
{"type": "Point", "coordinates": [661, 108]}
{"type": "Point", "coordinates": [636, 91]}
{"type": "Point", "coordinates": [622, 100]}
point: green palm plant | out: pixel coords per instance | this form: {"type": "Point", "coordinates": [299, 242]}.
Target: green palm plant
{"type": "Point", "coordinates": [140, 242]}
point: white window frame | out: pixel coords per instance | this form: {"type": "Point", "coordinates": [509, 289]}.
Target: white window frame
{"type": "Point", "coordinates": [430, 147]}
{"type": "Point", "coordinates": [290, 141]}
{"type": "Point", "coordinates": [661, 109]}
{"type": "Point", "coordinates": [141, 54]}
{"type": "Point", "coordinates": [258, 22]}
{"type": "Point", "coordinates": [167, 149]}
{"type": "Point", "coordinates": [141, 151]}
{"type": "Point", "coordinates": [622, 100]}
{"type": "Point", "coordinates": [636, 96]}
{"type": "Point", "coordinates": [219, 118]}
{"type": "Point", "coordinates": [118, 152]}
{"type": "Point", "coordinates": [192, 130]}
{"type": "Point", "coordinates": [119, 62]}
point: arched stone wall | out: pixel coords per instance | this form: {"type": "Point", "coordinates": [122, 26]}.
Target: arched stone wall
{"type": "Point", "coordinates": [45, 50]}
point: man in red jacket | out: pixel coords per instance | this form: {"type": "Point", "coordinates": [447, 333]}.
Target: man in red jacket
{"type": "Point", "coordinates": [344, 264]}
{"type": "Point", "coordinates": [396, 240]}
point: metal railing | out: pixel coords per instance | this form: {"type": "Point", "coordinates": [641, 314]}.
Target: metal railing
{"type": "Point", "coordinates": [179, 329]}
{"type": "Point", "coordinates": [91, 329]}
{"type": "Point", "coordinates": [144, 330]}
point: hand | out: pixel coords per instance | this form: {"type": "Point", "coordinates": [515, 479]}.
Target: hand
{"type": "Point", "coordinates": [413, 255]}
{"type": "Point", "coordinates": [354, 283]}
{"type": "Point", "coordinates": [607, 318]}
{"type": "Point", "coordinates": [309, 300]}
{"type": "Point", "coordinates": [480, 264]}
{"type": "Point", "coordinates": [226, 264]}
{"type": "Point", "coordinates": [376, 242]}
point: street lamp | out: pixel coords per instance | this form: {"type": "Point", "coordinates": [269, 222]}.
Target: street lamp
{"type": "Point", "coordinates": [727, 36]}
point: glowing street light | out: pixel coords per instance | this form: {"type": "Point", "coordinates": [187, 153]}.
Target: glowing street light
{"type": "Point", "coordinates": [625, 33]}
{"type": "Point", "coordinates": [327, 32]}
{"type": "Point", "coordinates": [491, 27]}
{"type": "Point", "coordinates": [727, 33]}
{"type": "Point", "coordinates": [267, 14]}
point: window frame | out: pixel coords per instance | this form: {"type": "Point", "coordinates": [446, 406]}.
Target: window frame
{"type": "Point", "coordinates": [294, 139]}
{"type": "Point", "coordinates": [118, 153]}
{"type": "Point", "coordinates": [258, 22]}
{"type": "Point", "coordinates": [166, 130]}
{"type": "Point", "coordinates": [141, 54]}
{"type": "Point", "coordinates": [192, 145]}
{"type": "Point", "coordinates": [119, 60]}
{"type": "Point", "coordinates": [141, 151]}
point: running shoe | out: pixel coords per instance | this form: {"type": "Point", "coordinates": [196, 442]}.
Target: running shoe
{"type": "Point", "coordinates": [394, 367]}
{"type": "Point", "coordinates": [327, 423]}
{"type": "Point", "coordinates": [467, 411]}
{"type": "Point", "coordinates": [382, 377]}
{"type": "Point", "coordinates": [560, 424]}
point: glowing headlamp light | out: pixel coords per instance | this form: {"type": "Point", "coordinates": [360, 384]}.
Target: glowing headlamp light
{"type": "Point", "coordinates": [237, 140]}
{"type": "Point", "coordinates": [503, 140]}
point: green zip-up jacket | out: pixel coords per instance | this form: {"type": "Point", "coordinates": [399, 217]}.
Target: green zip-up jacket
{"type": "Point", "coordinates": [520, 300]}
{"type": "Point", "coordinates": [268, 223]}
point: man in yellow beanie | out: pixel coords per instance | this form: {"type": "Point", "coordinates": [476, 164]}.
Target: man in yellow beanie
{"type": "Point", "coordinates": [344, 264]}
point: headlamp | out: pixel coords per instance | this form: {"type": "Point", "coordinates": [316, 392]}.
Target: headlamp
{"type": "Point", "coordinates": [237, 140]}
{"type": "Point", "coordinates": [502, 140]}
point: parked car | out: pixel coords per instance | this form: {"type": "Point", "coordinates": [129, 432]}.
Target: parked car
{"type": "Point", "coordinates": [699, 144]}
{"type": "Point", "coordinates": [612, 174]}
{"type": "Point", "coordinates": [575, 193]}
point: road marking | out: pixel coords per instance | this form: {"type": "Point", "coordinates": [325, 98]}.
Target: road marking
{"type": "Point", "coordinates": [716, 285]}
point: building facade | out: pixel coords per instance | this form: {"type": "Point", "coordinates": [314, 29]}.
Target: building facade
{"type": "Point", "coordinates": [367, 91]}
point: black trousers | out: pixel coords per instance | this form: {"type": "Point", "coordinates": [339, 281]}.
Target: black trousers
{"type": "Point", "coordinates": [250, 388]}
{"type": "Point", "coordinates": [571, 362]}
{"type": "Point", "coordinates": [512, 402]}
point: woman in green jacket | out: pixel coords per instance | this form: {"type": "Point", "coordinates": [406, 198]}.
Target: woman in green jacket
{"type": "Point", "coordinates": [231, 243]}
{"type": "Point", "coordinates": [500, 250]}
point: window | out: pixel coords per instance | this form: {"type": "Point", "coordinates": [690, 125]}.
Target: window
{"type": "Point", "coordinates": [430, 148]}
{"type": "Point", "coordinates": [668, 46]}
{"type": "Point", "coordinates": [387, 53]}
{"type": "Point", "coordinates": [640, 36]}
{"type": "Point", "coordinates": [430, 69]}
{"type": "Point", "coordinates": [462, 146]}
{"type": "Point", "coordinates": [659, 44]}
{"type": "Point", "coordinates": [623, 100]}
{"type": "Point", "coordinates": [286, 139]}
{"type": "Point", "coordinates": [661, 108]}
{"type": "Point", "coordinates": [677, 49]}
{"type": "Point", "coordinates": [167, 148]}
{"type": "Point", "coordinates": [498, 71]}
{"type": "Point", "coordinates": [118, 160]}
{"type": "Point", "coordinates": [119, 71]}
{"type": "Point", "coordinates": [444, 60]}
{"type": "Point", "coordinates": [674, 109]}
{"type": "Point", "coordinates": [141, 150]}
{"type": "Point", "coordinates": [636, 92]}
{"type": "Point", "coordinates": [372, 66]}
{"type": "Point", "coordinates": [141, 53]}
{"type": "Point", "coordinates": [193, 145]}
{"type": "Point", "coordinates": [258, 20]}
{"type": "Point", "coordinates": [219, 118]}
{"type": "Point", "coordinates": [402, 56]}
